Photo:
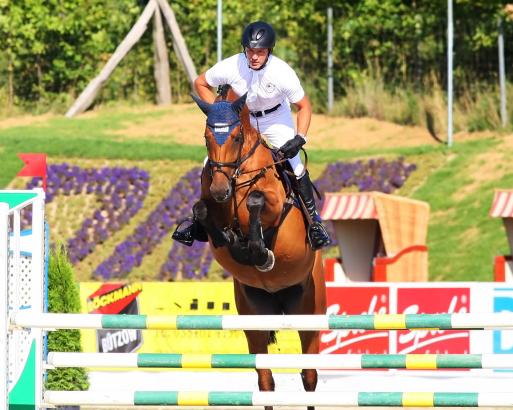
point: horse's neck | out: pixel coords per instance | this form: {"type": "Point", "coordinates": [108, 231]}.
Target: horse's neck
{"type": "Point", "coordinates": [262, 156]}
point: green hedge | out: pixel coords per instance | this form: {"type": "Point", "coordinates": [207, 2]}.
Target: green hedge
{"type": "Point", "coordinates": [63, 297]}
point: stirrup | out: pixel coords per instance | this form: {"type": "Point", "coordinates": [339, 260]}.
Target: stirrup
{"type": "Point", "coordinates": [194, 231]}
{"type": "Point", "coordinates": [318, 236]}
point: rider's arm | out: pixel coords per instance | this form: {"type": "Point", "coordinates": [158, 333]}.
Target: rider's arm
{"type": "Point", "coordinates": [203, 89]}
{"type": "Point", "coordinates": [304, 115]}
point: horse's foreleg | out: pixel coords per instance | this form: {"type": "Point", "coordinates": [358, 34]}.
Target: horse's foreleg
{"type": "Point", "coordinates": [200, 212]}
{"type": "Point", "coordinates": [262, 257]}
{"type": "Point", "coordinates": [309, 344]}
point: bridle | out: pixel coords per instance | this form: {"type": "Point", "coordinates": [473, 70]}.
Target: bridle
{"type": "Point", "coordinates": [237, 165]}
{"type": "Point", "coordinates": [217, 166]}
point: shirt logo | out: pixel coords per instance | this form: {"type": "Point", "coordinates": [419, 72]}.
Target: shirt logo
{"type": "Point", "coordinates": [270, 87]}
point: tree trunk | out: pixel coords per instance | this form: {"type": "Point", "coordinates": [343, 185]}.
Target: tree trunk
{"type": "Point", "coordinates": [88, 95]}
{"type": "Point", "coordinates": [161, 68]}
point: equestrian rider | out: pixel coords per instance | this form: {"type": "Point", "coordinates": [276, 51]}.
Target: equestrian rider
{"type": "Point", "coordinates": [271, 85]}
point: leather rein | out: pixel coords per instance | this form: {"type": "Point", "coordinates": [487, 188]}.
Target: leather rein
{"type": "Point", "coordinates": [217, 166]}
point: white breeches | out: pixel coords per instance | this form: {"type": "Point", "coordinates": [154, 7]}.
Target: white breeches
{"type": "Point", "coordinates": [277, 128]}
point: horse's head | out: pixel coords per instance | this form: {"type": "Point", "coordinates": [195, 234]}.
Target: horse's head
{"type": "Point", "coordinates": [224, 140]}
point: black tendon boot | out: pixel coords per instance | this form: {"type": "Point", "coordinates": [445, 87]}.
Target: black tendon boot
{"type": "Point", "coordinates": [194, 231]}
{"type": "Point", "coordinates": [317, 234]}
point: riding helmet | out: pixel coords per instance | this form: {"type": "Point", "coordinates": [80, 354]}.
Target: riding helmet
{"type": "Point", "coordinates": [258, 34]}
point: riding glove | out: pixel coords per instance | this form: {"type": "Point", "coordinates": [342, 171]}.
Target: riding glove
{"type": "Point", "coordinates": [291, 148]}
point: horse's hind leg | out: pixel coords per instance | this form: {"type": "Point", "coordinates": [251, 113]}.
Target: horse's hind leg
{"type": "Point", "coordinates": [262, 257]}
{"type": "Point", "coordinates": [314, 302]}
{"type": "Point", "coordinates": [253, 301]}
{"type": "Point", "coordinates": [257, 344]}
{"type": "Point", "coordinates": [310, 345]}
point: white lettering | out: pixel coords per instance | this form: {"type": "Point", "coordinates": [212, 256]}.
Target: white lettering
{"type": "Point", "coordinates": [114, 340]}
{"type": "Point", "coordinates": [416, 337]}
{"type": "Point", "coordinates": [346, 337]}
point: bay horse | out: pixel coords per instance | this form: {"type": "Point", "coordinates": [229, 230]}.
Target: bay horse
{"type": "Point", "coordinates": [254, 234]}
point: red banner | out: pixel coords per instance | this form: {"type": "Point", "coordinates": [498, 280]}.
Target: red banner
{"type": "Point", "coordinates": [356, 301]}
{"type": "Point", "coordinates": [433, 300]}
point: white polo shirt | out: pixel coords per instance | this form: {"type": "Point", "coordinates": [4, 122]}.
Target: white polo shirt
{"type": "Point", "coordinates": [276, 83]}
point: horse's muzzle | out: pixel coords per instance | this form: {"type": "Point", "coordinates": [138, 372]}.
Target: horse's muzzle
{"type": "Point", "coordinates": [221, 195]}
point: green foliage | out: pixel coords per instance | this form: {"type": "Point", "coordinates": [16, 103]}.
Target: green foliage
{"type": "Point", "coordinates": [63, 297]}
{"type": "Point", "coordinates": [50, 50]}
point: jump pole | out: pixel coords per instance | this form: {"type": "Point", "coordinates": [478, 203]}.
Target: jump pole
{"type": "Point", "coordinates": [280, 361]}
{"type": "Point", "coordinates": [247, 398]}
{"type": "Point", "coordinates": [467, 321]}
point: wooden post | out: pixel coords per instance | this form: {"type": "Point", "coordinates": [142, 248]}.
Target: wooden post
{"type": "Point", "coordinates": [178, 41]}
{"type": "Point", "coordinates": [88, 95]}
{"type": "Point", "coordinates": [161, 68]}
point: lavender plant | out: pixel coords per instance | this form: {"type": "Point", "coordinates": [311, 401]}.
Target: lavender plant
{"type": "Point", "coordinates": [120, 193]}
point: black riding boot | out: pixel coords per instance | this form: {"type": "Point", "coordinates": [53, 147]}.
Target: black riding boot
{"type": "Point", "coordinates": [195, 231]}
{"type": "Point", "coordinates": [317, 234]}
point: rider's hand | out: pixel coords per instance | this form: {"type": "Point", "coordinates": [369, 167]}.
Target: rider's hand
{"type": "Point", "coordinates": [291, 148]}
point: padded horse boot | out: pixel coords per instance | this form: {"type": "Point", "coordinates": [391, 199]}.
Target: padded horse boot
{"type": "Point", "coordinates": [317, 234]}
{"type": "Point", "coordinates": [194, 231]}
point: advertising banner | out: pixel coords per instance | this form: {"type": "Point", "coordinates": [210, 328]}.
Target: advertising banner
{"type": "Point", "coordinates": [417, 298]}
{"type": "Point", "coordinates": [116, 298]}
{"type": "Point", "coordinates": [168, 298]}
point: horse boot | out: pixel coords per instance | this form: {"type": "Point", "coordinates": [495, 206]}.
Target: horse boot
{"type": "Point", "coordinates": [317, 234]}
{"type": "Point", "coordinates": [187, 236]}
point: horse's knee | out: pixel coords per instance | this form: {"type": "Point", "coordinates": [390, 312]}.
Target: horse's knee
{"type": "Point", "coordinates": [309, 378]}
{"type": "Point", "coordinates": [200, 211]}
{"type": "Point", "coordinates": [265, 380]}
{"type": "Point", "coordinates": [256, 200]}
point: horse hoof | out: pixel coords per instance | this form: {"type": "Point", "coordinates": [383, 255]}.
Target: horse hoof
{"type": "Point", "coordinates": [269, 263]}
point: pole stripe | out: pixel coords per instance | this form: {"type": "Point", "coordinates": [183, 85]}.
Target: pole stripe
{"type": "Point", "coordinates": [161, 322]}
{"type": "Point", "coordinates": [503, 320]}
{"type": "Point", "coordinates": [421, 361]}
{"type": "Point", "coordinates": [196, 361]}
{"type": "Point", "coordinates": [459, 400]}
{"type": "Point", "coordinates": [418, 399]}
{"type": "Point", "coordinates": [156, 360]}
{"type": "Point", "coordinates": [248, 398]}
{"type": "Point", "coordinates": [281, 361]}
{"type": "Point", "coordinates": [390, 322]}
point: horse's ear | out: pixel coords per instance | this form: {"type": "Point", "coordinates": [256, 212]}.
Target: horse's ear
{"type": "Point", "coordinates": [238, 104]}
{"type": "Point", "coordinates": [204, 106]}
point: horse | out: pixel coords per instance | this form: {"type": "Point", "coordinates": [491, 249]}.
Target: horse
{"type": "Point", "coordinates": [253, 231]}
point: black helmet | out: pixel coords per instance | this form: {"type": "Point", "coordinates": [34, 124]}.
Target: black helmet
{"type": "Point", "coordinates": [258, 35]}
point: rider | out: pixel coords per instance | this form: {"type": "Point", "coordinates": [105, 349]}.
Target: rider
{"type": "Point", "coordinates": [271, 84]}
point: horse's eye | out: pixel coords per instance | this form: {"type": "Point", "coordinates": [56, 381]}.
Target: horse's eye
{"type": "Point", "coordinates": [237, 139]}
{"type": "Point", "coordinates": [207, 142]}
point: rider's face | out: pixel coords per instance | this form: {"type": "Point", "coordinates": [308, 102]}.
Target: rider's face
{"type": "Point", "coordinates": [256, 57]}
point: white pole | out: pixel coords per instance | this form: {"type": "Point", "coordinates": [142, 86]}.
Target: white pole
{"type": "Point", "coordinates": [4, 326]}
{"type": "Point", "coordinates": [502, 76]}
{"type": "Point", "coordinates": [219, 30]}
{"type": "Point", "coordinates": [450, 41]}
{"type": "Point", "coordinates": [330, 59]}
{"type": "Point", "coordinates": [38, 286]}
